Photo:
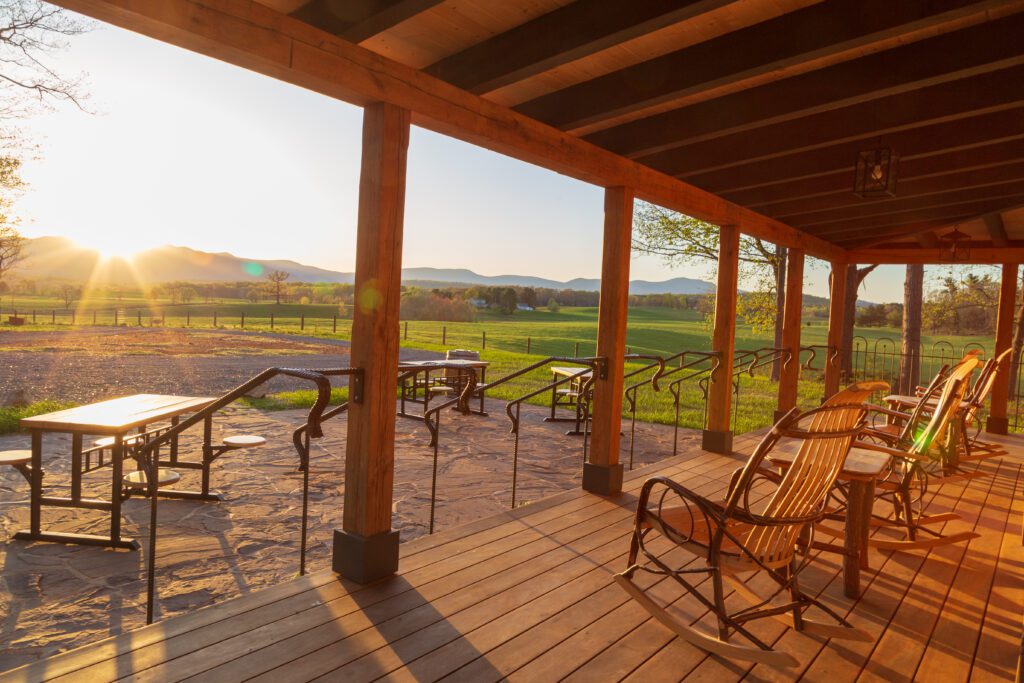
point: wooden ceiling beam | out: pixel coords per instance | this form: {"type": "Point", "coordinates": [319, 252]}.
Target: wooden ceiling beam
{"type": "Point", "coordinates": [855, 227]}
{"type": "Point", "coordinates": [255, 37]}
{"type": "Point", "coordinates": [996, 229]}
{"type": "Point", "coordinates": [929, 240]}
{"type": "Point", "coordinates": [787, 176]}
{"type": "Point", "coordinates": [959, 99]}
{"type": "Point", "coordinates": [905, 188]}
{"type": "Point", "coordinates": [971, 51]}
{"type": "Point", "coordinates": [801, 41]}
{"type": "Point", "coordinates": [566, 34]}
{"type": "Point", "coordinates": [878, 237]}
{"type": "Point", "coordinates": [900, 255]}
{"type": "Point", "coordinates": [820, 220]}
{"type": "Point", "coordinates": [359, 20]}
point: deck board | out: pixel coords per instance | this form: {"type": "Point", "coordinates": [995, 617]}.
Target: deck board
{"type": "Point", "coordinates": [527, 595]}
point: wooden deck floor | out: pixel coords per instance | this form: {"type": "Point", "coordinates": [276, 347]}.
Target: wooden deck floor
{"type": "Point", "coordinates": [527, 595]}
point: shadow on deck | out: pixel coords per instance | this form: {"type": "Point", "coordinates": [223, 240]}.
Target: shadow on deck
{"type": "Point", "coordinates": [528, 595]}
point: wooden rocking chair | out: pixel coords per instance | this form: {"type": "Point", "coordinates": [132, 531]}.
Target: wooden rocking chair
{"type": "Point", "coordinates": [922, 451]}
{"type": "Point", "coordinates": [737, 537]}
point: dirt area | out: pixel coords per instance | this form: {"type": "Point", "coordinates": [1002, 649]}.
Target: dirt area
{"type": "Point", "coordinates": [52, 365]}
{"type": "Point", "coordinates": [54, 597]}
{"type": "Point", "coordinates": [159, 342]}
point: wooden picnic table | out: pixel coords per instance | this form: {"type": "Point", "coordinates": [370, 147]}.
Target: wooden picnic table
{"type": "Point", "coordinates": [410, 389]}
{"type": "Point", "coordinates": [116, 418]}
{"type": "Point", "coordinates": [569, 398]}
{"type": "Point", "coordinates": [860, 472]}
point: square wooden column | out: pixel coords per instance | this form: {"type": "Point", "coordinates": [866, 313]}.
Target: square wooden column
{"type": "Point", "coordinates": [998, 423]}
{"type": "Point", "coordinates": [836, 315]}
{"type": "Point", "coordinates": [717, 435]}
{"type": "Point", "coordinates": [789, 376]}
{"type": "Point", "coordinates": [366, 548]}
{"type": "Point", "coordinates": [603, 472]}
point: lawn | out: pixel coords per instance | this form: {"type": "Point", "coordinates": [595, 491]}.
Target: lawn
{"type": "Point", "coordinates": [510, 342]}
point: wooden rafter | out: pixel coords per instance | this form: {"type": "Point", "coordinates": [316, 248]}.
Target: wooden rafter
{"type": "Point", "coordinates": [896, 220]}
{"type": "Point", "coordinates": [974, 50]}
{"type": "Point", "coordinates": [913, 254]}
{"type": "Point", "coordinates": [801, 173]}
{"type": "Point", "coordinates": [571, 32]}
{"type": "Point", "coordinates": [805, 40]}
{"type": "Point", "coordinates": [929, 185]}
{"type": "Point", "coordinates": [896, 206]}
{"type": "Point", "coordinates": [284, 47]}
{"type": "Point", "coordinates": [996, 229]}
{"type": "Point", "coordinates": [963, 98]}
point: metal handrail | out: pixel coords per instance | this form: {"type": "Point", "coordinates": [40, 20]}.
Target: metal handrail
{"type": "Point", "coordinates": [150, 463]}
{"type": "Point", "coordinates": [432, 417]}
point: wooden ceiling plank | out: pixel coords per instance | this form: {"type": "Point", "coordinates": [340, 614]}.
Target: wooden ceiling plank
{"type": "Point", "coordinates": [971, 51]}
{"type": "Point", "coordinates": [786, 176]}
{"type": "Point", "coordinates": [832, 31]}
{"type": "Point", "coordinates": [280, 46]}
{"type": "Point", "coordinates": [996, 229]}
{"type": "Point", "coordinates": [963, 98]}
{"type": "Point", "coordinates": [894, 205]}
{"type": "Point", "coordinates": [855, 227]}
{"type": "Point", "coordinates": [359, 20]}
{"type": "Point", "coordinates": [566, 34]}
{"type": "Point", "coordinates": [906, 188]}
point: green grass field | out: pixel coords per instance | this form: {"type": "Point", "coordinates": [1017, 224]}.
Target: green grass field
{"type": "Point", "coordinates": [510, 342]}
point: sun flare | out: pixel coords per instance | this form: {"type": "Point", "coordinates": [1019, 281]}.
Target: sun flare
{"type": "Point", "coordinates": [112, 249]}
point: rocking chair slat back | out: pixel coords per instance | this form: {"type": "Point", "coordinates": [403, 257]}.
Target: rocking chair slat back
{"type": "Point", "coordinates": [805, 484]}
{"type": "Point", "coordinates": [987, 380]}
{"type": "Point", "coordinates": [954, 389]}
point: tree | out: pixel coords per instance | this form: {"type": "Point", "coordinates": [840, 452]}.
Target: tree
{"type": "Point", "coordinates": [69, 293]}
{"type": "Point", "coordinates": [529, 297]}
{"type": "Point", "coordinates": [277, 278]}
{"type": "Point", "coordinates": [854, 277]}
{"type": "Point", "coordinates": [11, 244]}
{"type": "Point", "coordinates": [187, 294]}
{"type": "Point", "coordinates": [680, 240]}
{"type": "Point", "coordinates": [913, 294]}
{"type": "Point", "coordinates": [553, 305]}
{"type": "Point", "coordinates": [508, 301]}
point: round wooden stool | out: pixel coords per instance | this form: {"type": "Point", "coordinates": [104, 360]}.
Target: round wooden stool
{"type": "Point", "coordinates": [137, 481]}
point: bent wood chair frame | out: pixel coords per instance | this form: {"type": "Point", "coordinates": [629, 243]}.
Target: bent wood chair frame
{"type": "Point", "coordinates": [925, 448]}
{"type": "Point", "coordinates": [734, 538]}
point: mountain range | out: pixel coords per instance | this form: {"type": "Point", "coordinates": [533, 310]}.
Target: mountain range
{"type": "Point", "coordinates": [60, 258]}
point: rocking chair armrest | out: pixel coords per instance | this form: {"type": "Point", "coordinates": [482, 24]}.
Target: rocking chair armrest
{"type": "Point", "coordinates": [895, 452]}
{"type": "Point", "coordinates": [708, 507]}
{"type": "Point", "coordinates": [872, 408]}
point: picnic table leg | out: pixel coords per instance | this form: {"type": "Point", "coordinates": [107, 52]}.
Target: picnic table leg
{"type": "Point", "coordinates": [117, 466]}
{"type": "Point", "coordinates": [483, 380]}
{"type": "Point", "coordinates": [36, 504]}
{"type": "Point", "coordinates": [76, 467]}
{"type": "Point", "coordinates": [554, 399]}
{"type": "Point", "coordinates": [854, 541]}
{"type": "Point", "coordinates": [174, 440]}
{"type": "Point", "coordinates": [207, 452]}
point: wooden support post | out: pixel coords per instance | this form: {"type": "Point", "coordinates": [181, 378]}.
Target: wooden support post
{"type": "Point", "coordinates": [998, 423]}
{"type": "Point", "coordinates": [836, 312]}
{"type": "Point", "coordinates": [603, 473]}
{"type": "Point", "coordinates": [718, 433]}
{"type": "Point", "coordinates": [789, 374]}
{"type": "Point", "coordinates": [367, 549]}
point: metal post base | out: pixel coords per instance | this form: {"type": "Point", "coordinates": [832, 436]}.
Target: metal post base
{"type": "Point", "coordinates": [604, 480]}
{"type": "Point", "coordinates": [717, 442]}
{"type": "Point", "coordinates": [997, 425]}
{"type": "Point", "coordinates": [365, 558]}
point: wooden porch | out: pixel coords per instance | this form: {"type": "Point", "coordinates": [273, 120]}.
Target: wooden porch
{"type": "Point", "coordinates": [528, 595]}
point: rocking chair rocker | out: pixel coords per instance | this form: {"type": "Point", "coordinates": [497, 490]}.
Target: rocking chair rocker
{"type": "Point", "coordinates": [736, 536]}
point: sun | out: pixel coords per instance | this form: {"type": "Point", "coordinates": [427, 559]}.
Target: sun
{"type": "Point", "coordinates": [113, 249]}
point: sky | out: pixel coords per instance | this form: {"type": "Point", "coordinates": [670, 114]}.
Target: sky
{"type": "Point", "coordinates": [178, 148]}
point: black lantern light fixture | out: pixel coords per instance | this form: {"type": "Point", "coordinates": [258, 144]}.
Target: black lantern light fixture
{"type": "Point", "coordinates": [957, 249]}
{"type": "Point", "coordinates": [876, 173]}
